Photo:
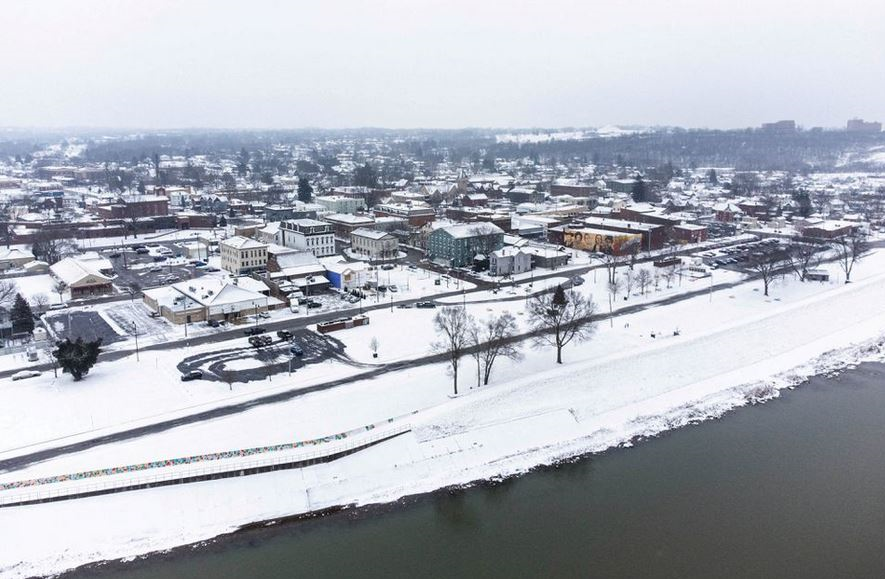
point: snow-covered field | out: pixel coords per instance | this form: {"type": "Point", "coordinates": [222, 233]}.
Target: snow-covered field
{"type": "Point", "coordinates": [734, 346]}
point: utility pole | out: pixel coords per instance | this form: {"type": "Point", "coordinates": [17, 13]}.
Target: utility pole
{"type": "Point", "coordinates": [135, 328]}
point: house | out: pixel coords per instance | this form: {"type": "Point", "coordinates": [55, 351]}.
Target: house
{"type": "Point", "coordinates": [208, 298]}
{"type": "Point", "coordinates": [374, 244]}
{"type": "Point", "coordinates": [457, 245]}
{"type": "Point", "coordinates": [80, 278]}
{"type": "Point", "coordinates": [309, 234]}
{"type": "Point", "coordinates": [14, 258]}
{"type": "Point", "coordinates": [241, 255]}
{"type": "Point", "coordinates": [509, 261]}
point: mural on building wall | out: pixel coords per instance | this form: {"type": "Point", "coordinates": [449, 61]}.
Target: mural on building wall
{"type": "Point", "coordinates": [602, 242]}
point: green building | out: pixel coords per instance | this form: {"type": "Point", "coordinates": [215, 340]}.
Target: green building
{"type": "Point", "coordinates": [457, 245]}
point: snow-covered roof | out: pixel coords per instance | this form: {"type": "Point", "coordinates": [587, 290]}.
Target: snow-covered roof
{"type": "Point", "coordinates": [370, 233]}
{"type": "Point", "coordinates": [240, 242]}
{"type": "Point", "coordinates": [467, 230]}
{"type": "Point", "coordinates": [72, 272]}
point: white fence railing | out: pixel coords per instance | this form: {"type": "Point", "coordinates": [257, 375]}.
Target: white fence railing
{"type": "Point", "coordinates": [53, 491]}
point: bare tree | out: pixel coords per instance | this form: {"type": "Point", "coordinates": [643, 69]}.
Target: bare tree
{"type": "Point", "coordinates": [8, 291]}
{"type": "Point", "coordinates": [40, 301]}
{"type": "Point", "coordinates": [561, 317]}
{"type": "Point", "coordinates": [643, 278]}
{"type": "Point", "coordinates": [850, 249]}
{"type": "Point", "coordinates": [491, 339]}
{"type": "Point", "coordinates": [59, 287]}
{"type": "Point", "coordinates": [452, 324]}
{"type": "Point", "coordinates": [52, 246]}
{"type": "Point", "coordinates": [628, 283]}
{"type": "Point", "coordinates": [611, 263]}
{"type": "Point", "coordinates": [803, 257]}
{"type": "Point", "coordinates": [227, 376]}
{"type": "Point", "coordinates": [668, 275]}
{"type": "Point", "coordinates": [768, 265]}
{"type": "Point", "coordinates": [373, 345]}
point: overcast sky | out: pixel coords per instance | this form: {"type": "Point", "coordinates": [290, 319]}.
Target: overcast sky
{"type": "Point", "coordinates": [451, 63]}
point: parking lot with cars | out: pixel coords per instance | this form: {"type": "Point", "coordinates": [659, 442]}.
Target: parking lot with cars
{"type": "Point", "coordinates": [740, 257]}
{"type": "Point", "coordinates": [263, 355]}
{"type": "Point", "coordinates": [154, 264]}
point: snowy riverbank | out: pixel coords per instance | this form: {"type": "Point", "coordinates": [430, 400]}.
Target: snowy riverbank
{"type": "Point", "coordinates": [735, 347]}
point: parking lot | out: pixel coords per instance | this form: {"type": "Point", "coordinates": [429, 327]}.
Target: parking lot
{"type": "Point", "coordinates": [75, 324]}
{"type": "Point", "coordinates": [248, 363]}
{"type": "Point", "coordinates": [154, 264]}
{"type": "Point", "coordinates": [739, 257]}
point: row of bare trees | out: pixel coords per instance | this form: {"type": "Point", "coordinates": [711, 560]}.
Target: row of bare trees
{"type": "Point", "coordinates": [555, 319]}
{"type": "Point", "coordinates": [801, 258]}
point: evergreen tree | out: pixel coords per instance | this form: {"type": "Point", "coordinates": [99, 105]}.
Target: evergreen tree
{"type": "Point", "coordinates": [305, 191]}
{"type": "Point", "coordinates": [640, 191]}
{"type": "Point", "coordinates": [22, 316]}
{"type": "Point", "coordinates": [222, 221]}
{"type": "Point", "coordinates": [77, 357]}
{"type": "Point", "coordinates": [365, 176]}
{"type": "Point", "coordinates": [559, 299]}
{"type": "Point", "coordinates": [140, 187]}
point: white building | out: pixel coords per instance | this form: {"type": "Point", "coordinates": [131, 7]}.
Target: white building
{"type": "Point", "coordinates": [374, 244]}
{"type": "Point", "coordinates": [241, 255]}
{"type": "Point", "coordinates": [341, 204]}
{"type": "Point", "coordinates": [308, 234]}
{"type": "Point", "coordinates": [509, 261]}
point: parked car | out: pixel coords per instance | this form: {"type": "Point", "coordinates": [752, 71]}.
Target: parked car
{"type": "Point", "coordinates": [142, 250]}
{"type": "Point", "coordinates": [58, 306]}
{"type": "Point", "coordinates": [192, 375]}
{"type": "Point", "coordinates": [212, 269]}
{"type": "Point", "coordinates": [577, 280]}
{"type": "Point", "coordinates": [260, 341]}
{"type": "Point", "coordinates": [160, 258]}
{"type": "Point", "coordinates": [284, 334]}
{"type": "Point", "coordinates": [213, 323]}
{"type": "Point", "coordinates": [24, 374]}
{"type": "Point", "coordinates": [156, 268]}
{"type": "Point", "coordinates": [392, 288]}
{"type": "Point", "coordinates": [296, 349]}
{"type": "Point", "coordinates": [425, 305]}
{"type": "Point", "coordinates": [254, 331]}
{"type": "Point", "coordinates": [388, 266]}
{"type": "Point", "coordinates": [312, 304]}
{"type": "Point", "coordinates": [115, 255]}
{"type": "Point", "coordinates": [263, 315]}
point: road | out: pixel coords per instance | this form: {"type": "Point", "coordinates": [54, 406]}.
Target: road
{"type": "Point", "coordinates": [27, 459]}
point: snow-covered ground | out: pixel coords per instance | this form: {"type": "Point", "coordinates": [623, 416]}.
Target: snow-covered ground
{"type": "Point", "coordinates": [733, 346]}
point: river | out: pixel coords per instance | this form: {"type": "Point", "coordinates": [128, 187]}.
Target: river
{"type": "Point", "coordinates": [794, 488]}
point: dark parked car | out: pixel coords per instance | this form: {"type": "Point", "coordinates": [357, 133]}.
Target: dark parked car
{"type": "Point", "coordinates": [260, 341]}
{"type": "Point", "coordinates": [296, 349]}
{"type": "Point", "coordinates": [254, 331]}
{"type": "Point", "coordinates": [284, 334]}
{"type": "Point", "coordinates": [213, 323]}
{"type": "Point", "coordinates": [192, 375]}
{"type": "Point", "coordinates": [313, 304]}
{"type": "Point", "coordinates": [142, 250]}
{"type": "Point", "coordinates": [115, 255]}
{"type": "Point", "coordinates": [159, 258]}
{"type": "Point", "coordinates": [427, 305]}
